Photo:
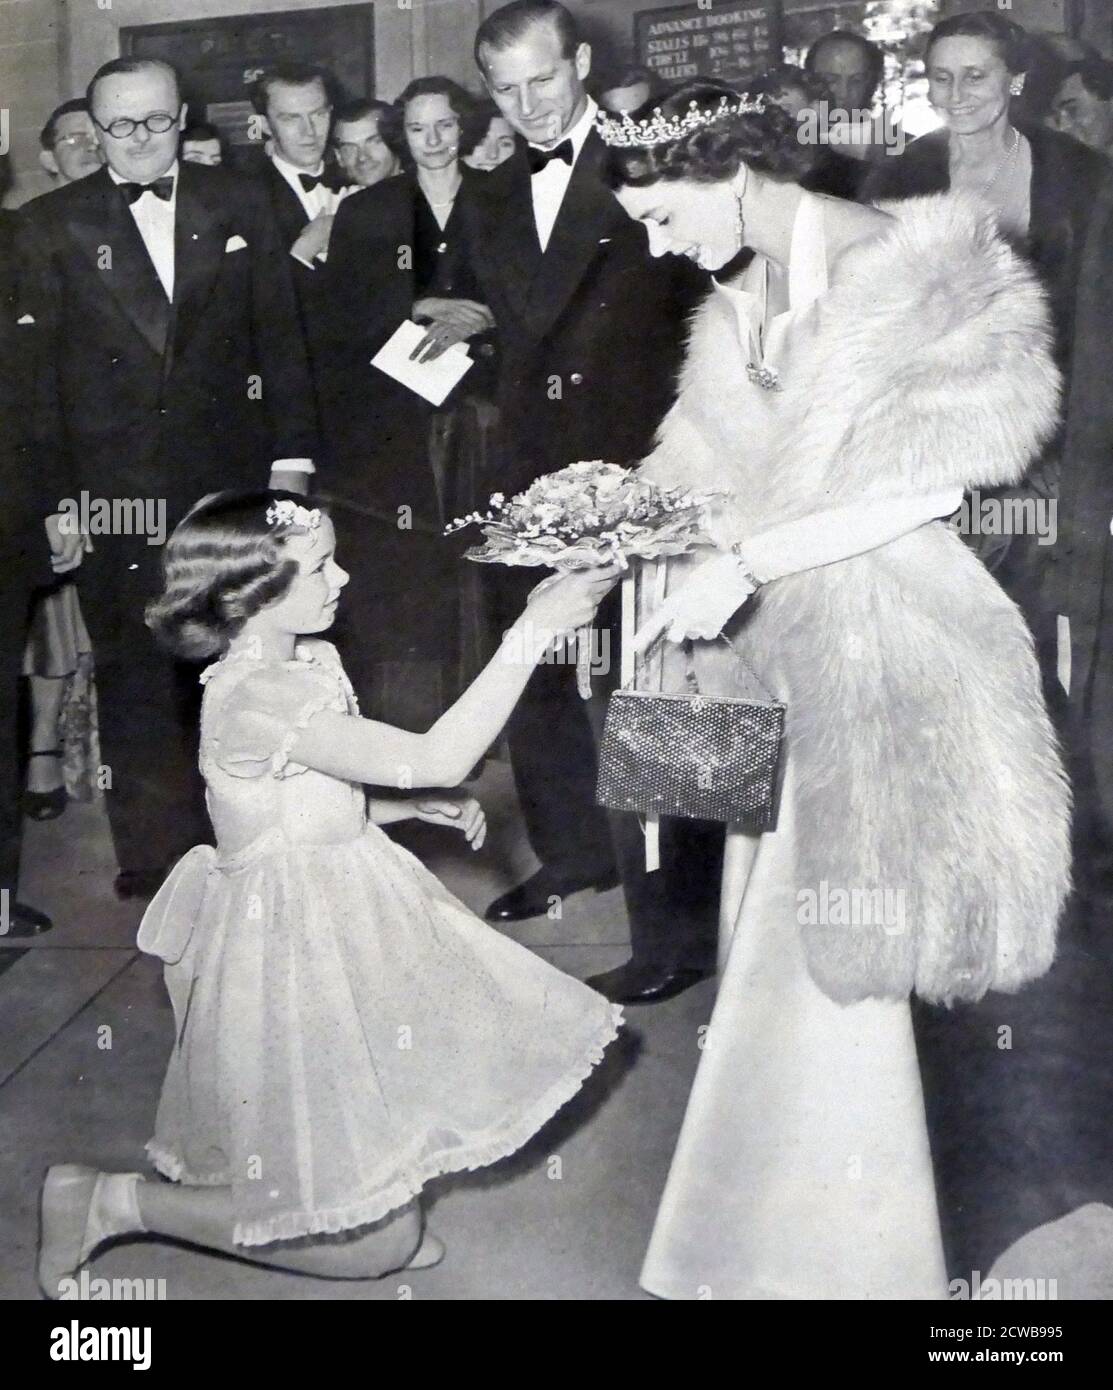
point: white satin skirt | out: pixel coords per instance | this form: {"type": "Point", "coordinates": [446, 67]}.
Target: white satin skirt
{"type": "Point", "coordinates": [803, 1169]}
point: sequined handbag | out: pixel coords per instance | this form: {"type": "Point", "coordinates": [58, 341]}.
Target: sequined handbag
{"type": "Point", "coordinates": [694, 755]}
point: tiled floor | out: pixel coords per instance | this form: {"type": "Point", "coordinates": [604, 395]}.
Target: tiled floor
{"type": "Point", "coordinates": [86, 1029]}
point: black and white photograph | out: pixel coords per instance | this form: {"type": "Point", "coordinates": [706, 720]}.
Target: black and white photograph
{"type": "Point", "coordinates": [556, 723]}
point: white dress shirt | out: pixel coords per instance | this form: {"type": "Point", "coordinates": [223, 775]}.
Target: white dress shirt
{"type": "Point", "coordinates": [317, 200]}
{"type": "Point", "coordinates": [550, 184]}
{"type": "Point", "coordinates": [155, 221]}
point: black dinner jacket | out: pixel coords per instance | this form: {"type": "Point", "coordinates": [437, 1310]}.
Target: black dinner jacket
{"type": "Point", "coordinates": [591, 331]}
{"type": "Point", "coordinates": [30, 492]}
{"type": "Point", "coordinates": [309, 286]}
{"type": "Point", "coordinates": [288, 210]}
{"type": "Point", "coordinates": [372, 286]}
{"type": "Point", "coordinates": [375, 428]}
{"type": "Point", "coordinates": [139, 396]}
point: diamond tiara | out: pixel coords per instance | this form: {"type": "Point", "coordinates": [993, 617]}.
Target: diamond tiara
{"type": "Point", "coordinates": [624, 132]}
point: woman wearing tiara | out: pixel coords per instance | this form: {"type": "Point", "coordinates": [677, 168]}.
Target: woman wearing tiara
{"type": "Point", "coordinates": [842, 392]}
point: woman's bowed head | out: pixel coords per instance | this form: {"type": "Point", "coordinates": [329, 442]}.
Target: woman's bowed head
{"type": "Point", "coordinates": [696, 166]}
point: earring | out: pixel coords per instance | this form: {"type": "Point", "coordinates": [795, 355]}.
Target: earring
{"type": "Point", "coordinates": [739, 222]}
{"type": "Point", "coordinates": [1016, 86]}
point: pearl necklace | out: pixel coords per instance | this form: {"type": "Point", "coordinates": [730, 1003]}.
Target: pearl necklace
{"type": "Point", "coordinates": [1005, 157]}
{"type": "Point", "coordinates": [444, 202]}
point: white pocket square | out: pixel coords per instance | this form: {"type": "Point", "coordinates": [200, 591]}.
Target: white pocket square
{"type": "Point", "coordinates": [25, 318]}
{"type": "Point", "coordinates": [235, 243]}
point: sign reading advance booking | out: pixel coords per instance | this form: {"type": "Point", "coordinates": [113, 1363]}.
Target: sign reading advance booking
{"type": "Point", "coordinates": [708, 39]}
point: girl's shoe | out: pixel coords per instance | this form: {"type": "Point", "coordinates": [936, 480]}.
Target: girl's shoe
{"type": "Point", "coordinates": [45, 805]}
{"type": "Point", "coordinates": [68, 1232]}
{"type": "Point", "coordinates": [429, 1253]}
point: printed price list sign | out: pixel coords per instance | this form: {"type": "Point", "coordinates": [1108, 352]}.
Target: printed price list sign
{"type": "Point", "coordinates": [709, 39]}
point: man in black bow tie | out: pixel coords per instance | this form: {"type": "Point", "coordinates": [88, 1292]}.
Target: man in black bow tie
{"type": "Point", "coordinates": [295, 102]}
{"type": "Point", "coordinates": [172, 366]}
{"type": "Point", "coordinates": [591, 333]}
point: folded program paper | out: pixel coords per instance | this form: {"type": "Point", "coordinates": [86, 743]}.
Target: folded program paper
{"type": "Point", "coordinates": [431, 380]}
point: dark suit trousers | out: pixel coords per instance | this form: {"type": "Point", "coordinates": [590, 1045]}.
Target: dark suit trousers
{"type": "Point", "coordinates": [552, 736]}
{"type": "Point", "coordinates": [396, 625]}
{"type": "Point", "coordinates": [148, 708]}
{"type": "Point", "coordinates": [14, 599]}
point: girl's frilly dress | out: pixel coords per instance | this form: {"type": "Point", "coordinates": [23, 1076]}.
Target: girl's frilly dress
{"type": "Point", "coordinates": [346, 1029]}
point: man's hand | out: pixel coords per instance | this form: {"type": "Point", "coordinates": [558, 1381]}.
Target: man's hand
{"type": "Point", "coordinates": [314, 238]}
{"type": "Point", "coordinates": [67, 548]}
{"type": "Point", "coordinates": [460, 811]}
{"type": "Point", "coordinates": [289, 480]}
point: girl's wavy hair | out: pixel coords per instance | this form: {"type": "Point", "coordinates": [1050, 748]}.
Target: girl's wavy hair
{"type": "Point", "coordinates": [766, 141]}
{"type": "Point", "coordinates": [224, 562]}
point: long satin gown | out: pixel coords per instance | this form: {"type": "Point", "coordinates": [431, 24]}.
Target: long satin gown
{"type": "Point", "coordinates": [803, 1169]}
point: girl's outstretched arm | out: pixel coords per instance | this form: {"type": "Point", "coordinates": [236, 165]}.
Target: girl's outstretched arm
{"type": "Point", "coordinates": [364, 750]}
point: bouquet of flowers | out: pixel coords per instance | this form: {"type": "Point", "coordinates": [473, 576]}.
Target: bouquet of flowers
{"type": "Point", "coordinates": [585, 515]}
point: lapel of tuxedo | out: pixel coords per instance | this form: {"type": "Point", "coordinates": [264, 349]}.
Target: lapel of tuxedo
{"type": "Point", "coordinates": [587, 212]}
{"type": "Point", "coordinates": [288, 210]}
{"type": "Point", "coordinates": [105, 231]}
{"type": "Point", "coordinates": [507, 230]}
{"type": "Point", "coordinates": [200, 234]}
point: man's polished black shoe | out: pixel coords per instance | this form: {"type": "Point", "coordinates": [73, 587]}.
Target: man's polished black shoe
{"type": "Point", "coordinates": [22, 920]}
{"type": "Point", "coordinates": [138, 883]}
{"type": "Point", "coordinates": [534, 897]}
{"type": "Point", "coordinates": [634, 984]}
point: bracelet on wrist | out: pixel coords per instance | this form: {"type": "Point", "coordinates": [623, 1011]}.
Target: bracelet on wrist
{"type": "Point", "coordinates": [744, 564]}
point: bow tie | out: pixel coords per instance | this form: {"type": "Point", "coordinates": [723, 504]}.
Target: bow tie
{"type": "Point", "coordinates": [310, 181]}
{"type": "Point", "coordinates": [162, 188]}
{"type": "Point", "coordinates": [541, 159]}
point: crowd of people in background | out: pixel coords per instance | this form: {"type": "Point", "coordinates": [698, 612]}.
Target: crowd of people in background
{"type": "Point", "coordinates": [184, 315]}
{"type": "Point", "coordinates": [334, 186]}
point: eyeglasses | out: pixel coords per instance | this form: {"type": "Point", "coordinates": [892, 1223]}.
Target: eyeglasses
{"type": "Point", "coordinates": [372, 145]}
{"type": "Point", "coordinates": [78, 141]}
{"type": "Point", "coordinates": [120, 129]}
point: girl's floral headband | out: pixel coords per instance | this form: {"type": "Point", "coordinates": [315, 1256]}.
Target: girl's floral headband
{"type": "Point", "coordinates": [287, 513]}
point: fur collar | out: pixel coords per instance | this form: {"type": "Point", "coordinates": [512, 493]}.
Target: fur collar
{"type": "Point", "coordinates": [925, 366]}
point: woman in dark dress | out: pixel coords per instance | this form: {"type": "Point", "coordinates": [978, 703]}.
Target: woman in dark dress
{"type": "Point", "coordinates": [1019, 1089]}
{"type": "Point", "coordinates": [401, 467]}
{"type": "Point", "coordinates": [1043, 186]}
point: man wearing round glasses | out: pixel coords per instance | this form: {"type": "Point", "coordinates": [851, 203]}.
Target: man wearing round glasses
{"type": "Point", "coordinates": [139, 117]}
{"type": "Point", "coordinates": [173, 365]}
